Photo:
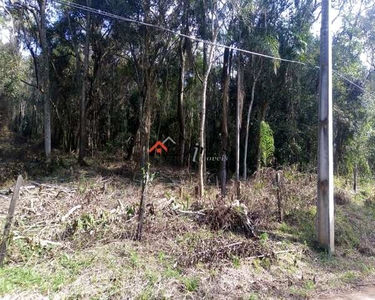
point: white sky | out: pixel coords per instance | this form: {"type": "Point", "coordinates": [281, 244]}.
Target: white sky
{"type": "Point", "coordinates": [335, 26]}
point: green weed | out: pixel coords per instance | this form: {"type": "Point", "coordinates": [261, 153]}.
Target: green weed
{"type": "Point", "coordinates": [236, 261]}
{"type": "Point", "coordinates": [191, 284]}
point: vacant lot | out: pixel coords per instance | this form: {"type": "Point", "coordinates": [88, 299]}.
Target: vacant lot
{"type": "Point", "coordinates": [74, 234]}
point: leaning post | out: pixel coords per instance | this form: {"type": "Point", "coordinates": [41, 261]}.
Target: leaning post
{"type": "Point", "coordinates": [9, 220]}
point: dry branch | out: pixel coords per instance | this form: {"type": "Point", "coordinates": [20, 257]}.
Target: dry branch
{"type": "Point", "coordinates": [40, 242]}
{"type": "Point", "coordinates": [4, 197]}
{"type": "Point", "coordinates": [64, 189]}
{"type": "Point", "coordinates": [274, 253]}
{"type": "Point", "coordinates": [199, 212]}
{"type": "Point", "coordinates": [63, 218]}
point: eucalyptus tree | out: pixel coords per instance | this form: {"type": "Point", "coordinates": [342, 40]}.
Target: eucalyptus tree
{"type": "Point", "coordinates": [31, 16]}
{"type": "Point", "coordinates": [211, 21]}
{"type": "Point", "coordinates": [82, 106]}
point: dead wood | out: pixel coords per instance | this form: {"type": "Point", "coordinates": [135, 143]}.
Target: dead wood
{"type": "Point", "coordinates": [233, 218]}
{"type": "Point", "coordinates": [199, 212]}
{"type": "Point", "coordinates": [71, 211]}
{"type": "Point", "coordinates": [4, 197]}
{"type": "Point", "coordinates": [40, 242]}
{"type": "Point", "coordinates": [64, 189]}
{"type": "Point", "coordinates": [9, 221]}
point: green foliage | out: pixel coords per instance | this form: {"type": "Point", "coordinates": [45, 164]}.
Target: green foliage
{"type": "Point", "coordinates": [253, 296]}
{"type": "Point", "coordinates": [263, 238]}
{"type": "Point", "coordinates": [345, 232]}
{"type": "Point", "coordinates": [267, 146]}
{"type": "Point", "coordinates": [191, 283]}
{"type": "Point", "coordinates": [16, 277]}
{"type": "Point", "coordinates": [236, 261]}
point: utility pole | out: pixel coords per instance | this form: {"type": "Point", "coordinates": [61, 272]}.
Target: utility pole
{"type": "Point", "coordinates": [325, 226]}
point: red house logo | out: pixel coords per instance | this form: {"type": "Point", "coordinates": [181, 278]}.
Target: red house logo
{"type": "Point", "coordinates": [158, 147]}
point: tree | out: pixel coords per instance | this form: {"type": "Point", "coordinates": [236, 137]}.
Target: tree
{"type": "Point", "coordinates": [202, 120]}
{"type": "Point", "coordinates": [46, 83]}
{"type": "Point", "coordinates": [34, 16]}
{"type": "Point", "coordinates": [82, 107]}
{"type": "Point", "coordinates": [225, 79]}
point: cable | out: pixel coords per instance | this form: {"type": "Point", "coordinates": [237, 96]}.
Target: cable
{"type": "Point", "coordinates": [350, 81]}
{"type": "Point", "coordinates": [194, 38]}
{"type": "Point", "coordinates": [107, 14]}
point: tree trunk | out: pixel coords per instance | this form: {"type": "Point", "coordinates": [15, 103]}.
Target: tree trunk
{"type": "Point", "coordinates": [248, 125]}
{"type": "Point", "coordinates": [145, 124]}
{"type": "Point", "coordinates": [240, 96]}
{"type": "Point", "coordinates": [203, 119]}
{"type": "Point", "coordinates": [224, 124]}
{"type": "Point", "coordinates": [82, 106]}
{"type": "Point", "coordinates": [180, 110]}
{"type": "Point", "coordinates": [46, 82]}
{"type": "Point", "coordinates": [145, 145]}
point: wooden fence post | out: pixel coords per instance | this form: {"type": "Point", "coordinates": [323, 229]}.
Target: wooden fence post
{"type": "Point", "coordinates": [9, 220]}
{"type": "Point", "coordinates": [279, 198]}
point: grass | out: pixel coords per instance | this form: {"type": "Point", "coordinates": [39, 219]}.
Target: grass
{"type": "Point", "coordinates": [236, 261]}
{"type": "Point", "coordinates": [253, 296]}
{"type": "Point", "coordinates": [349, 277]}
{"type": "Point", "coordinates": [191, 284]}
{"type": "Point", "coordinates": [19, 278]}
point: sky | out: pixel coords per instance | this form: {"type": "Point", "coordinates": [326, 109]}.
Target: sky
{"type": "Point", "coordinates": [335, 26]}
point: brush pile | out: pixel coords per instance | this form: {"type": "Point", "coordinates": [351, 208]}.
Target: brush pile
{"type": "Point", "coordinates": [216, 250]}
{"type": "Point", "coordinates": [234, 217]}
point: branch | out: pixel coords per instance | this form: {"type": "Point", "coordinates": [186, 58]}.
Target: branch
{"type": "Point", "coordinates": [197, 72]}
{"type": "Point", "coordinates": [32, 85]}
{"type": "Point", "coordinates": [63, 218]}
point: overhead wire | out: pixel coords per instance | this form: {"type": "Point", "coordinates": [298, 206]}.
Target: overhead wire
{"type": "Point", "coordinates": [191, 37]}
{"type": "Point", "coordinates": [197, 39]}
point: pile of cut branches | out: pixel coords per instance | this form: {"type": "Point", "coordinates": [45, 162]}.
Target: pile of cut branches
{"type": "Point", "coordinates": [215, 250]}
{"type": "Point", "coordinates": [234, 217]}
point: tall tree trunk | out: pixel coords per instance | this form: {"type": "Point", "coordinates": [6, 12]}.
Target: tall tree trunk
{"type": "Point", "coordinates": [224, 124]}
{"type": "Point", "coordinates": [145, 145]}
{"type": "Point", "coordinates": [180, 110]}
{"type": "Point", "coordinates": [203, 118]}
{"type": "Point", "coordinates": [240, 96]}
{"type": "Point", "coordinates": [46, 82]}
{"type": "Point", "coordinates": [82, 106]}
{"type": "Point", "coordinates": [182, 53]}
{"type": "Point", "coordinates": [145, 125]}
{"type": "Point", "coordinates": [255, 79]}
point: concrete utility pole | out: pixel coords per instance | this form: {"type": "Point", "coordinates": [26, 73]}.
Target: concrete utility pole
{"type": "Point", "coordinates": [325, 226]}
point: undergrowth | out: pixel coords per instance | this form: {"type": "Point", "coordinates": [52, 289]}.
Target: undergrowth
{"type": "Point", "coordinates": [186, 255]}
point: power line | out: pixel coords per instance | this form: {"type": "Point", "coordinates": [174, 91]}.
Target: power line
{"type": "Point", "coordinates": [350, 81]}
{"type": "Point", "coordinates": [194, 38]}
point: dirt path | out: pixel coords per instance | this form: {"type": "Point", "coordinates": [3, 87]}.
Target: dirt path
{"type": "Point", "coordinates": [365, 293]}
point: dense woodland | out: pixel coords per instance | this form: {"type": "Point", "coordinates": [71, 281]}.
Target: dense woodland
{"type": "Point", "coordinates": [86, 83]}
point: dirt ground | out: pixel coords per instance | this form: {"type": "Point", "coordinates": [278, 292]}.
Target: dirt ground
{"type": "Point", "coordinates": [363, 293]}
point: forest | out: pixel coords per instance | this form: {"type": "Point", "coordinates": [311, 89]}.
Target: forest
{"type": "Point", "coordinates": [112, 85]}
{"type": "Point", "coordinates": [125, 116]}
